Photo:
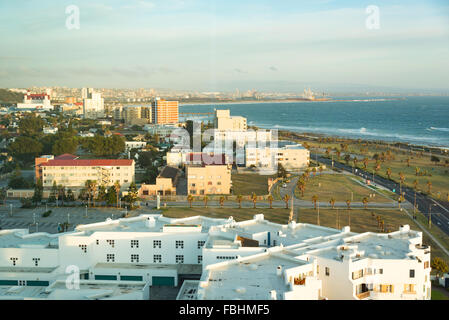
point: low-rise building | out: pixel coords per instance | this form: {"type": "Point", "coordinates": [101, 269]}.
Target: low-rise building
{"type": "Point", "coordinates": [208, 179]}
{"type": "Point", "coordinates": [224, 259]}
{"type": "Point", "coordinates": [71, 172]}
{"type": "Point", "coordinates": [166, 183]}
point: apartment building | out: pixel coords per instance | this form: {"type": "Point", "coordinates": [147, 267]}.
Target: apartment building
{"type": "Point", "coordinates": [208, 179]}
{"type": "Point", "coordinates": [93, 103]}
{"type": "Point", "coordinates": [224, 122]}
{"type": "Point", "coordinates": [253, 259]}
{"type": "Point", "coordinates": [291, 156]}
{"type": "Point", "coordinates": [137, 115]}
{"type": "Point", "coordinates": [71, 172]}
{"type": "Point", "coordinates": [165, 112]}
{"type": "Point", "coordinates": [39, 101]}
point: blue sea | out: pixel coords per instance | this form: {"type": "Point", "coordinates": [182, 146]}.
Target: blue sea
{"type": "Point", "coordinates": [415, 120]}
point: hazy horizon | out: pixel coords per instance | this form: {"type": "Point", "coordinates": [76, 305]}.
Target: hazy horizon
{"type": "Point", "coordinates": [198, 45]}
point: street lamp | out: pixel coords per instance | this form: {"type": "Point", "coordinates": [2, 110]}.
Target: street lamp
{"type": "Point", "coordinates": [86, 211]}
{"type": "Point", "coordinates": [430, 214]}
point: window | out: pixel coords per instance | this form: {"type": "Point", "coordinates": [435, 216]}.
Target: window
{"type": "Point", "coordinates": [83, 247]}
{"type": "Point", "coordinates": [200, 259]}
{"type": "Point", "coordinates": [317, 269]}
{"type": "Point", "coordinates": [426, 264]}
{"type": "Point", "coordinates": [14, 260]}
{"type": "Point", "coordinates": [157, 244]}
{"type": "Point", "coordinates": [357, 274]}
{"type": "Point", "coordinates": [412, 273]}
{"type": "Point", "coordinates": [179, 259]}
{"type": "Point", "coordinates": [179, 244]}
{"type": "Point", "coordinates": [134, 258]}
{"type": "Point", "coordinates": [111, 242]}
{"type": "Point", "coordinates": [409, 288]}
{"type": "Point", "coordinates": [98, 242]}
{"type": "Point", "coordinates": [380, 271]}
{"type": "Point", "coordinates": [327, 271]}
{"type": "Point", "coordinates": [201, 244]}
{"type": "Point", "coordinates": [110, 257]}
{"type": "Point", "coordinates": [157, 258]}
{"type": "Point", "coordinates": [36, 261]}
{"type": "Point", "coordinates": [384, 288]}
{"type": "Point", "coordinates": [226, 257]}
{"type": "Point", "coordinates": [134, 243]}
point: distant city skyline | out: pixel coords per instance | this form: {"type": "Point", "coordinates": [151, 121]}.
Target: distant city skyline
{"type": "Point", "coordinates": [196, 45]}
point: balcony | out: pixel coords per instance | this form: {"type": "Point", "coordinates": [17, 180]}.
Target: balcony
{"type": "Point", "coordinates": [363, 295]}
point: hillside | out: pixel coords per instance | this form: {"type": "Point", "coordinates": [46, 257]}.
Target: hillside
{"type": "Point", "coordinates": [7, 96]}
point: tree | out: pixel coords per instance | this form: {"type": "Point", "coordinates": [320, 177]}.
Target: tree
{"type": "Point", "coordinates": [53, 193]}
{"type": "Point", "coordinates": [365, 163]}
{"type": "Point", "coordinates": [239, 200]}
{"type": "Point", "coordinates": [61, 193]}
{"type": "Point", "coordinates": [254, 199]}
{"type": "Point", "coordinates": [270, 200]}
{"type": "Point", "coordinates": [314, 200]}
{"type": "Point", "coordinates": [332, 202]}
{"type": "Point", "coordinates": [348, 203]}
{"type": "Point", "coordinates": [301, 186]}
{"type": "Point", "coordinates": [64, 145]}
{"type": "Point", "coordinates": [70, 195]}
{"type": "Point", "coordinates": [347, 158]}
{"type": "Point", "coordinates": [282, 173]}
{"type": "Point", "coordinates": [222, 199]}
{"type": "Point", "coordinates": [205, 199]}
{"type": "Point", "coordinates": [38, 192]}
{"type": "Point", "coordinates": [389, 173]}
{"type": "Point", "coordinates": [429, 187]}
{"type": "Point", "coordinates": [117, 191]}
{"type": "Point", "coordinates": [131, 197]}
{"type": "Point", "coordinates": [439, 265]}
{"type": "Point", "coordinates": [31, 126]}
{"type": "Point", "coordinates": [365, 202]}
{"type": "Point", "coordinates": [190, 199]}
{"type": "Point", "coordinates": [286, 200]}
{"type": "Point", "coordinates": [111, 197]}
{"type": "Point", "coordinates": [25, 149]}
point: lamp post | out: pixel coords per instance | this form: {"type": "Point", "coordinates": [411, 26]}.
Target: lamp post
{"type": "Point", "coordinates": [86, 211]}
{"type": "Point", "coordinates": [430, 214]}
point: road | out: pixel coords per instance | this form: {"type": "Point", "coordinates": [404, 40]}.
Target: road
{"type": "Point", "coordinates": [429, 207]}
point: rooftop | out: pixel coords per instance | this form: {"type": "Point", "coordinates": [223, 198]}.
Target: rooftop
{"type": "Point", "coordinates": [87, 162]}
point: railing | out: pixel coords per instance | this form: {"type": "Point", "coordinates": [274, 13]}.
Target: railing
{"type": "Point", "coordinates": [363, 295]}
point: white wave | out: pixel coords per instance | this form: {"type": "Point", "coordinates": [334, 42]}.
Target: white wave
{"type": "Point", "coordinates": [440, 129]}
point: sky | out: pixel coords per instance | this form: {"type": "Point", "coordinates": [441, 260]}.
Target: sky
{"type": "Point", "coordinates": [212, 45]}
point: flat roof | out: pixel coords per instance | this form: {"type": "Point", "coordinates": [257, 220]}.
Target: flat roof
{"type": "Point", "coordinates": [252, 279]}
{"type": "Point", "coordinates": [20, 238]}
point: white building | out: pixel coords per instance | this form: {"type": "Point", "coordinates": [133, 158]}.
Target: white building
{"type": "Point", "coordinates": [36, 102]}
{"type": "Point", "coordinates": [291, 156]}
{"type": "Point", "coordinates": [253, 259]}
{"type": "Point", "coordinates": [93, 103]}
{"type": "Point", "coordinates": [129, 145]}
{"type": "Point", "coordinates": [50, 130]}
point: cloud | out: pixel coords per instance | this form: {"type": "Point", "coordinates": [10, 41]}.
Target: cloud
{"type": "Point", "coordinates": [240, 70]}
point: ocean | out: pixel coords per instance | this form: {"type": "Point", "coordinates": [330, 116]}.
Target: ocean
{"type": "Point", "coordinates": [415, 120]}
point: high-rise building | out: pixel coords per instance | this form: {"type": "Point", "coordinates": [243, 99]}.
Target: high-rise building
{"type": "Point", "coordinates": [137, 115]}
{"type": "Point", "coordinates": [165, 112]}
{"type": "Point", "coordinates": [93, 103]}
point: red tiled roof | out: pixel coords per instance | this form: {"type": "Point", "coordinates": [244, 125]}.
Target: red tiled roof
{"type": "Point", "coordinates": [88, 162]}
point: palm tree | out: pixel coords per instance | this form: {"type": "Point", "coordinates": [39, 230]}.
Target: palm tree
{"type": "Point", "coordinates": [314, 200]}
{"type": "Point", "coordinates": [332, 202]}
{"type": "Point", "coordinates": [117, 190]}
{"type": "Point", "coordinates": [254, 198]}
{"type": "Point", "coordinates": [348, 203]}
{"type": "Point", "coordinates": [87, 184]}
{"type": "Point", "coordinates": [239, 199]}
{"type": "Point", "coordinates": [429, 187]}
{"type": "Point", "coordinates": [402, 179]}
{"type": "Point", "coordinates": [206, 198]}
{"type": "Point", "coordinates": [222, 199]}
{"type": "Point", "coordinates": [365, 163]}
{"type": "Point", "coordinates": [417, 170]}
{"type": "Point", "coordinates": [270, 200]}
{"type": "Point", "coordinates": [286, 199]}
{"type": "Point", "coordinates": [389, 173]}
{"type": "Point", "coordinates": [301, 186]}
{"type": "Point", "coordinates": [190, 199]}
{"type": "Point", "coordinates": [365, 202]}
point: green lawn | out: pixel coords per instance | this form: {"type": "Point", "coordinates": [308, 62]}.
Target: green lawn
{"type": "Point", "coordinates": [246, 184]}
{"type": "Point", "coordinates": [438, 295]}
{"type": "Point", "coordinates": [340, 187]}
{"type": "Point", "coordinates": [277, 215]}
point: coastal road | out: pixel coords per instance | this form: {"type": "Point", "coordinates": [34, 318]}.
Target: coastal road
{"type": "Point", "coordinates": [428, 206]}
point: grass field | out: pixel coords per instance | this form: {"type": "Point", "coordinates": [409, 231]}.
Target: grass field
{"type": "Point", "coordinates": [340, 187]}
{"type": "Point", "coordinates": [246, 184]}
{"type": "Point", "coordinates": [401, 161]}
{"type": "Point", "coordinates": [277, 215]}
